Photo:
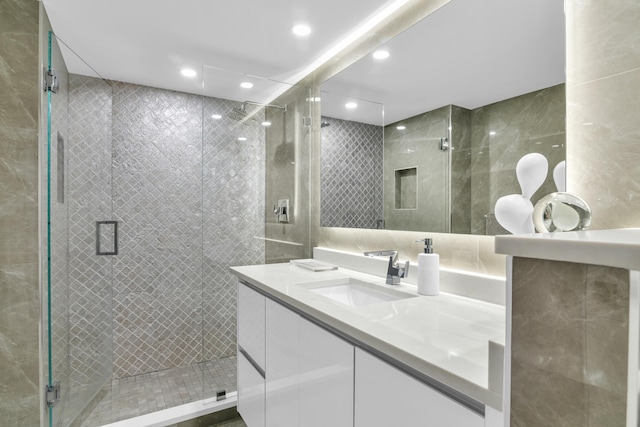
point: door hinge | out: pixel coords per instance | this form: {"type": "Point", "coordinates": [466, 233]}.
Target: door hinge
{"type": "Point", "coordinates": [52, 393]}
{"type": "Point", "coordinates": [50, 82]}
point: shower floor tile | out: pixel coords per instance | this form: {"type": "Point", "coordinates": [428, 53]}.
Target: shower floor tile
{"type": "Point", "coordinates": [133, 396]}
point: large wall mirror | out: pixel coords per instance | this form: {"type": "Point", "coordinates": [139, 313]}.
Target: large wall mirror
{"type": "Point", "coordinates": [428, 137]}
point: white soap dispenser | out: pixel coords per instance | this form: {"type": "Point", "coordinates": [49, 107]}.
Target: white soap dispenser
{"type": "Point", "coordinates": [428, 270]}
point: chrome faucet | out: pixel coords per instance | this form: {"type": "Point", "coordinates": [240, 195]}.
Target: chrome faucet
{"type": "Point", "coordinates": [395, 272]}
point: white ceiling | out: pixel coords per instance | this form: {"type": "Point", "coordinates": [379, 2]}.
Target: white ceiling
{"type": "Point", "coordinates": [148, 41]}
{"type": "Point", "coordinates": [469, 53]}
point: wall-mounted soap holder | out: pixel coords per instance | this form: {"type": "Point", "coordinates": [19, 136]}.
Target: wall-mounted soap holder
{"type": "Point", "coordinates": [282, 210]}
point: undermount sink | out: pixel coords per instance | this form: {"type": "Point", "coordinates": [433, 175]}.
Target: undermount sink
{"type": "Point", "coordinates": [354, 293]}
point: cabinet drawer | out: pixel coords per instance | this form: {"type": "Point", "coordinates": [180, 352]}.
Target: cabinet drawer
{"type": "Point", "coordinates": [251, 323]}
{"type": "Point", "coordinates": [326, 378]}
{"type": "Point", "coordinates": [251, 389]}
{"type": "Point", "coordinates": [386, 396]}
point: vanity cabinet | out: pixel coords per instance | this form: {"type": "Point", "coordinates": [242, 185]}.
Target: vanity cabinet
{"type": "Point", "coordinates": [308, 372]}
{"type": "Point", "coordinates": [251, 356]}
{"type": "Point", "coordinates": [294, 373]}
{"type": "Point", "coordinates": [386, 396]}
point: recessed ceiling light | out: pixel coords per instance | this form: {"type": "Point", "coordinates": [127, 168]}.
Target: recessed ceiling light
{"type": "Point", "coordinates": [492, 133]}
{"type": "Point", "coordinates": [216, 116]}
{"type": "Point", "coordinates": [242, 138]}
{"type": "Point", "coordinates": [380, 54]}
{"type": "Point", "coordinates": [188, 72]}
{"type": "Point", "coordinates": [266, 123]}
{"type": "Point", "coordinates": [246, 85]}
{"type": "Point", "coordinates": [401, 127]}
{"type": "Point", "coordinates": [301, 30]}
{"type": "Point", "coordinates": [350, 105]}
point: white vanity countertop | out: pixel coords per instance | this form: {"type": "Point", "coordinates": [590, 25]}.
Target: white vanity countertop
{"type": "Point", "coordinates": [445, 337]}
{"type": "Point", "coordinates": [613, 248]}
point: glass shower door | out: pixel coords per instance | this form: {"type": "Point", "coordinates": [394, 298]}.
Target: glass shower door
{"type": "Point", "coordinates": [78, 235]}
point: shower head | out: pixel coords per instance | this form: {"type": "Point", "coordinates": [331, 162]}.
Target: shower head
{"type": "Point", "coordinates": [238, 113]}
{"type": "Point", "coordinates": [324, 124]}
{"type": "Point", "coordinates": [241, 114]}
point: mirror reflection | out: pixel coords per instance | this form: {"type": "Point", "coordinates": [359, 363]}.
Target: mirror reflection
{"type": "Point", "coordinates": [440, 122]}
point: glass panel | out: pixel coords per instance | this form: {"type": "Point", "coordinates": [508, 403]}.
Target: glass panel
{"type": "Point", "coordinates": [288, 177]}
{"type": "Point", "coordinates": [254, 157]}
{"type": "Point", "coordinates": [233, 170]}
{"type": "Point", "coordinates": [78, 183]}
{"type": "Point", "coordinates": [157, 274]}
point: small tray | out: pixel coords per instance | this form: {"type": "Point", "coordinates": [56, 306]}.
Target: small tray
{"type": "Point", "coordinates": [313, 265]}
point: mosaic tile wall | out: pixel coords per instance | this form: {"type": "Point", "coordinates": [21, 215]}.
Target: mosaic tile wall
{"type": "Point", "coordinates": [233, 213]}
{"type": "Point", "coordinates": [186, 212]}
{"type": "Point", "coordinates": [157, 197]}
{"type": "Point", "coordinates": [88, 198]}
{"type": "Point", "coordinates": [351, 174]}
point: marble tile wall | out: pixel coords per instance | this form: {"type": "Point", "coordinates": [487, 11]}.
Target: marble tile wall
{"type": "Point", "coordinates": [569, 344]}
{"type": "Point", "coordinates": [287, 173]}
{"type": "Point", "coordinates": [351, 183]}
{"type": "Point", "coordinates": [460, 170]}
{"type": "Point", "coordinates": [463, 252]}
{"type": "Point", "coordinates": [19, 297]}
{"type": "Point", "coordinates": [417, 147]}
{"type": "Point", "coordinates": [603, 80]}
{"type": "Point", "coordinates": [505, 131]}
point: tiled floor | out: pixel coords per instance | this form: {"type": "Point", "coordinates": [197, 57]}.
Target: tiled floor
{"type": "Point", "coordinates": [142, 394]}
{"type": "Point", "coordinates": [231, 423]}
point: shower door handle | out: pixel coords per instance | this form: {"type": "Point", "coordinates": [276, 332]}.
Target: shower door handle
{"type": "Point", "coordinates": [113, 238]}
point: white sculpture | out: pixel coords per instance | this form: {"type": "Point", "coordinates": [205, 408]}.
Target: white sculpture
{"type": "Point", "coordinates": [560, 176]}
{"type": "Point", "coordinates": [531, 171]}
{"type": "Point", "coordinates": [514, 211]}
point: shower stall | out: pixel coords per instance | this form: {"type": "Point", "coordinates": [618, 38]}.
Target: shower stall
{"type": "Point", "coordinates": [148, 196]}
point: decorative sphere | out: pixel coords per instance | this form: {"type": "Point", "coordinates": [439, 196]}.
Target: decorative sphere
{"type": "Point", "coordinates": [561, 212]}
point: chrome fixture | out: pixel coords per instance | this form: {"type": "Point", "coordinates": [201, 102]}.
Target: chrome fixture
{"type": "Point", "coordinates": [282, 210]}
{"type": "Point", "coordinates": [395, 272]}
{"type": "Point", "coordinates": [325, 124]}
{"type": "Point", "coordinates": [50, 81]}
{"type": "Point", "coordinates": [444, 143]}
{"type": "Point", "coordinates": [240, 114]}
